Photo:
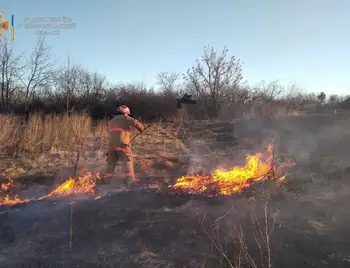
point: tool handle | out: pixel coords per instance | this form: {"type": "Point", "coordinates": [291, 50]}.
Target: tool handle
{"type": "Point", "coordinates": [135, 136]}
{"type": "Point", "coordinates": [139, 134]}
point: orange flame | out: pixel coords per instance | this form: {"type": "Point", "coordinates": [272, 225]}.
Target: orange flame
{"type": "Point", "coordinates": [83, 184]}
{"type": "Point", "coordinates": [6, 200]}
{"type": "Point", "coordinates": [222, 182]}
{"type": "Point", "coordinates": [237, 179]}
{"type": "Point", "coordinates": [8, 185]}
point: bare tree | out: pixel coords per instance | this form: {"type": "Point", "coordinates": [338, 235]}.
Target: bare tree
{"type": "Point", "coordinates": [170, 90]}
{"type": "Point", "coordinates": [294, 98]}
{"type": "Point", "coordinates": [213, 76]}
{"type": "Point", "coordinates": [10, 72]}
{"type": "Point", "coordinates": [333, 98]}
{"type": "Point", "coordinates": [168, 80]}
{"type": "Point", "coordinates": [93, 86]}
{"type": "Point", "coordinates": [76, 86]}
{"type": "Point", "coordinates": [268, 92]}
{"type": "Point", "coordinates": [67, 82]}
{"type": "Point", "coordinates": [336, 99]}
{"type": "Point", "coordinates": [40, 70]}
{"type": "Point", "coordinates": [343, 98]}
{"type": "Point", "coordinates": [69, 79]}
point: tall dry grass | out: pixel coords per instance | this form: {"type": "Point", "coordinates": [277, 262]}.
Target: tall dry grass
{"type": "Point", "coordinates": [101, 128]}
{"type": "Point", "coordinates": [55, 133]}
{"type": "Point", "coordinates": [43, 133]}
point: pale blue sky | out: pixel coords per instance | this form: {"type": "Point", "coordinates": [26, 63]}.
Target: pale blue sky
{"type": "Point", "coordinates": [301, 41]}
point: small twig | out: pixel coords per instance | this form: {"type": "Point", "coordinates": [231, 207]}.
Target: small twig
{"type": "Point", "coordinates": [223, 216]}
{"type": "Point", "coordinates": [244, 247]}
{"type": "Point", "coordinates": [267, 236]}
{"type": "Point", "coordinates": [71, 227]}
{"type": "Point", "coordinates": [216, 244]}
{"type": "Point", "coordinates": [273, 163]}
{"type": "Point", "coordinates": [78, 158]}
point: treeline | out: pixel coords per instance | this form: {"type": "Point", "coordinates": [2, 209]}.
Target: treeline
{"type": "Point", "coordinates": [39, 84]}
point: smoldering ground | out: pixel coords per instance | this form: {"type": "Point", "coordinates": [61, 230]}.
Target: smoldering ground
{"type": "Point", "coordinates": [127, 229]}
{"type": "Point", "coordinates": [306, 216]}
{"type": "Point", "coordinates": [311, 204]}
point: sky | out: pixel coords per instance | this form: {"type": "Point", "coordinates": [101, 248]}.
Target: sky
{"type": "Point", "coordinates": [302, 42]}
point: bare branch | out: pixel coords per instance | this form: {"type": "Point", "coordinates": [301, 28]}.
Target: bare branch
{"type": "Point", "coordinates": [213, 77]}
{"type": "Point", "coordinates": [10, 71]}
{"type": "Point", "coordinates": [40, 69]}
{"type": "Point", "coordinates": [168, 80]}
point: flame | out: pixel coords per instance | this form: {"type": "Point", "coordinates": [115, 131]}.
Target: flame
{"type": "Point", "coordinates": [235, 180]}
{"type": "Point", "coordinates": [4, 187]}
{"type": "Point", "coordinates": [84, 184]}
{"type": "Point", "coordinates": [6, 200]}
{"type": "Point", "coordinates": [8, 185]}
{"type": "Point", "coordinates": [221, 182]}
{"type": "Point", "coordinates": [81, 185]}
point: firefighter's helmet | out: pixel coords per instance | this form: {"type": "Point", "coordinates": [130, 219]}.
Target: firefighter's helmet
{"type": "Point", "coordinates": [123, 109]}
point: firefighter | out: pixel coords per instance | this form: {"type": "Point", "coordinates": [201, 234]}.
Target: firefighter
{"type": "Point", "coordinates": [119, 147]}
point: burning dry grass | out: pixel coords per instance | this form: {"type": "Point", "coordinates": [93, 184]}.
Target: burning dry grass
{"type": "Point", "coordinates": [82, 185]}
{"type": "Point", "coordinates": [220, 182]}
{"type": "Point", "coordinates": [71, 133]}
{"type": "Point", "coordinates": [226, 182]}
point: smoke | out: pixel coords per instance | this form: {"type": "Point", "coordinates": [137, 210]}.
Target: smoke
{"type": "Point", "coordinates": [226, 144]}
{"type": "Point", "coordinates": [312, 203]}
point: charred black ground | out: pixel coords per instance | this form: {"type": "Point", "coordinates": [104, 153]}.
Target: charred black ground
{"type": "Point", "coordinates": [146, 228]}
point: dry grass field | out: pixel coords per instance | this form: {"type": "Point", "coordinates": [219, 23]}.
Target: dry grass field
{"type": "Point", "coordinates": [296, 217]}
